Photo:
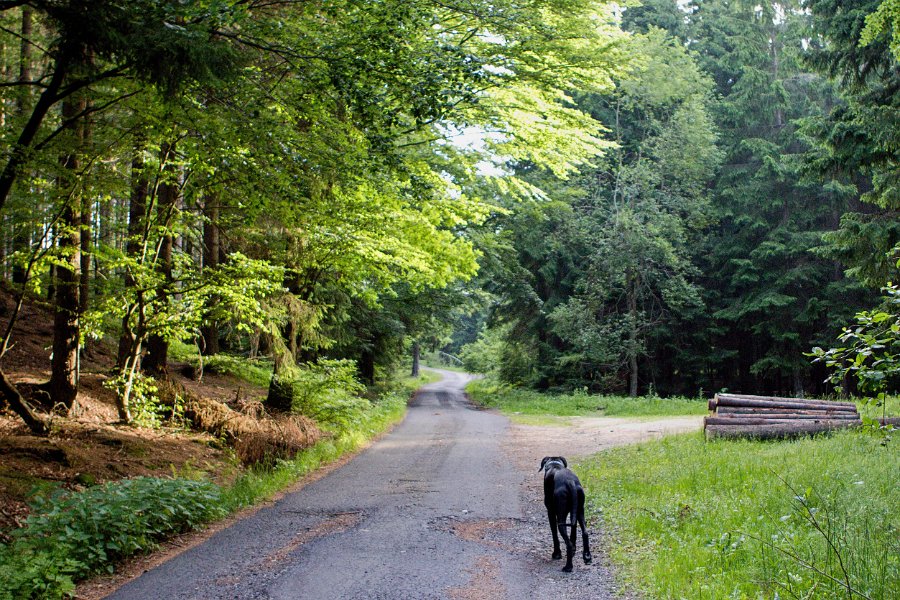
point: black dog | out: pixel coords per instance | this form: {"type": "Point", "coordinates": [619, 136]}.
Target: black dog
{"type": "Point", "coordinates": [563, 495]}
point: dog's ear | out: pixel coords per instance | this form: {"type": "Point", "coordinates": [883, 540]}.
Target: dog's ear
{"type": "Point", "coordinates": [563, 459]}
{"type": "Point", "coordinates": [544, 462]}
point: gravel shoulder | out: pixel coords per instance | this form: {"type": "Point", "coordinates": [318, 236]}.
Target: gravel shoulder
{"type": "Point", "coordinates": [577, 437]}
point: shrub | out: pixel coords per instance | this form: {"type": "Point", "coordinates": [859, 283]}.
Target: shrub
{"type": "Point", "coordinates": [330, 393]}
{"type": "Point", "coordinates": [71, 535]}
{"type": "Point", "coordinates": [144, 404]}
{"type": "Point", "coordinates": [870, 351]}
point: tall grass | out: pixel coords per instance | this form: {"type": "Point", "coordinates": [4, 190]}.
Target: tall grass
{"type": "Point", "coordinates": [489, 392]}
{"type": "Point", "coordinates": [809, 518]}
{"type": "Point", "coordinates": [876, 409]}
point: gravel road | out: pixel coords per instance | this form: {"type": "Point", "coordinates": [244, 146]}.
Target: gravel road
{"type": "Point", "coordinates": [445, 506]}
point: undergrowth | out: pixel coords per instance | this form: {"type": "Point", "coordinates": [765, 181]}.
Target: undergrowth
{"type": "Point", "coordinates": [69, 536]}
{"type": "Point", "coordinates": [491, 393]}
{"type": "Point", "coordinates": [809, 518]}
{"type": "Point", "coordinates": [256, 371]}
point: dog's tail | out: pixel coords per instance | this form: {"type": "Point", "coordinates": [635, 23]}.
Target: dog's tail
{"type": "Point", "coordinates": [573, 494]}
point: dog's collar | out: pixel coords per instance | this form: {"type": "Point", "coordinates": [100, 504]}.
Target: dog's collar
{"type": "Point", "coordinates": [554, 462]}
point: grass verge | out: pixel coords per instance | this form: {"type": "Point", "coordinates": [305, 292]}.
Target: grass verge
{"type": "Point", "coordinates": [808, 518]}
{"type": "Point", "coordinates": [489, 392]}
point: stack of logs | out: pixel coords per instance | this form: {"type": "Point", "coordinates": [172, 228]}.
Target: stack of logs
{"type": "Point", "coordinates": [765, 417]}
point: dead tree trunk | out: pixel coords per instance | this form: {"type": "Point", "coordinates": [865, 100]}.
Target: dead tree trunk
{"type": "Point", "coordinates": [35, 423]}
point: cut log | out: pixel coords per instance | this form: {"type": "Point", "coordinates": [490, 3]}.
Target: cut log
{"type": "Point", "coordinates": [739, 397]}
{"type": "Point", "coordinates": [803, 415]}
{"type": "Point", "coordinates": [769, 402]}
{"type": "Point", "coordinates": [750, 410]}
{"type": "Point", "coordinates": [787, 421]}
{"type": "Point", "coordinates": [766, 432]}
{"type": "Point", "coordinates": [895, 421]}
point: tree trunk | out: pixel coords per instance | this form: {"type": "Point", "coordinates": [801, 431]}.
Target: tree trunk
{"type": "Point", "coordinates": [18, 156]}
{"type": "Point", "coordinates": [157, 357]}
{"type": "Point", "coordinates": [367, 366]}
{"type": "Point", "coordinates": [738, 418]}
{"type": "Point", "coordinates": [776, 412]}
{"type": "Point", "coordinates": [21, 238]}
{"type": "Point", "coordinates": [210, 330]}
{"type": "Point", "coordinates": [785, 421]}
{"type": "Point", "coordinates": [134, 244]}
{"type": "Point", "coordinates": [254, 343]}
{"type": "Point", "coordinates": [797, 378]}
{"type": "Point", "coordinates": [416, 351]}
{"type": "Point", "coordinates": [632, 336]}
{"type": "Point", "coordinates": [84, 289]}
{"type": "Point", "coordinates": [63, 384]}
{"type": "Point", "coordinates": [738, 400]}
{"type": "Point", "coordinates": [280, 397]}
{"type": "Point", "coordinates": [775, 431]}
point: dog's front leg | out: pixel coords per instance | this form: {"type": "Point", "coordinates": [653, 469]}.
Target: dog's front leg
{"type": "Point", "coordinates": [556, 552]}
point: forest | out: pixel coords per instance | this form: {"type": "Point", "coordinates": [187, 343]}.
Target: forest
{"type": "Point", "coordinates": [745, 213]}
{"type": "Point", "coordinates": [670, 197]}
{"type": "Point", "coordinates": [584, 200]}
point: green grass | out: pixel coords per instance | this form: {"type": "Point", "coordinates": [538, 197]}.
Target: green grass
{"type": "Point", "coordinates": [488, 392]}
{"type": "Point", "coordinates": [733, 519]}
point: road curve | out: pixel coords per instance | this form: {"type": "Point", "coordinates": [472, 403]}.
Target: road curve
{"type": "Point", "coordinates": [436, 509]}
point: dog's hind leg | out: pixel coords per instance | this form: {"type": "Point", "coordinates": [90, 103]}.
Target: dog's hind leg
{"type": "Point", "coordinates": [576, 499]}
{"type": "Point", "coordinates": [586, 547]}
{"type": "Point", "coordinates": [570, 547]}
{"type": "Point", "coordinates": [556, 552]}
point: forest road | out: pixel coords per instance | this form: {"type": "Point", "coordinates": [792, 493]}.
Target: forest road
{"type": "Point", "coordinates": [442, 507]}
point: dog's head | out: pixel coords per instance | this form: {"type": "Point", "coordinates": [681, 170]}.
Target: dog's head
{"type": "Point", "coordinates": [553, 462]}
